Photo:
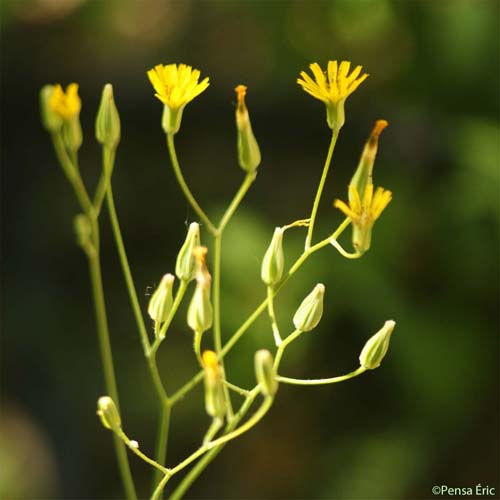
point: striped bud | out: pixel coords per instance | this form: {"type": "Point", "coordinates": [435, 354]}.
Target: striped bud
{"type": "Point", "coordinates": [274, 259]}
{"type": "Point", "coordinates": [185, 264]}
{"type": "Point", "coordinates": [376, 348]}
{"type": "Point", "coordinates": [265, 372]}
{"type": "Point", "coordinates": [108, 413]}
{"type": "Point", "coordinates": [309, 313]}
{"type": "Point", "coordinates": [215, 403]}
{"type": "Point", "coordinates": [248, 150]}
{"type": "Point", "coordinates": [161, 301]}
{"type": "Point", "coordinates": [107, 124]}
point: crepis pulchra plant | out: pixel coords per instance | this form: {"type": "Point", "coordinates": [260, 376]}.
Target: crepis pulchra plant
{"type": "Point", "coordinates": [175, 85]}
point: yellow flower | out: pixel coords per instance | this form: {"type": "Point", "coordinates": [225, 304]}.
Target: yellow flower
{"type": "Point", "coordinates": [332, 87]}
{"type": "Point", "coordinates": [65, 104]}
{"type": "Point", "coordinates": [364, 212]}
{"type": "Point", "coordinates": [175, 86]}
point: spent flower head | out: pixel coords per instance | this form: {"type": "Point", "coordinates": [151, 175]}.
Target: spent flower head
{"type": "Point", "coordinates": [175, 86]}
{"type": "Point", "coordinates": [332, 86]}
{"type": "Point", "coordinates": [364, 209]}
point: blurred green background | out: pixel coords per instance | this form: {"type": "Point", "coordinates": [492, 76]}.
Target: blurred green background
{"type": "Point", "coordinates": [429, 415]}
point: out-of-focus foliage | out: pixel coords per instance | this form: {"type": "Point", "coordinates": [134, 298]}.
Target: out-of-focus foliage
{"type": "Point", "coordinates": [429, 414]}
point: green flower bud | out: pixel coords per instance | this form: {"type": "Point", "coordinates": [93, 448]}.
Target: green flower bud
{"type": "Point", "coordinates": [161, 301]}
{"type": "Point", "coordinates": [108, 413]}
{"type": "Point", "coordinates": [50, 120]}
{"type": "Point", "coordinates": [309, 313]}
{"type": "Point", "coordinates": [274, 259]}
{"type": "Point", "coordinates": [265, 372]}
{"type": "Point", "coordinates": [376, 348]}
{"type": "Point", "coordinates": [107, 124]}
{"type": "Point", "coordinates": [215, 402]}
{"type": "Point", "coordinates": [200, 313]}
{"type": "Point", "coordinates": [248, 149]}
{"type": "Point", "coordinates": [364, 172]}
{"type": "Point", "coordinates": [83, 230]}
{"type": "Point", "coordinates": [185, 264]}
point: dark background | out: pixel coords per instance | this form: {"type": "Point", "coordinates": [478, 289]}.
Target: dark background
{"type": "Point", "coordinates": [429, 415]}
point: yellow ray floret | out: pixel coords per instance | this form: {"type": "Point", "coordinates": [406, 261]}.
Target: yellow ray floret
{"type": "Point", "coordinates": [334, 84]}
{"type": "Point", "coordinates": [65, 104]}
{"type": "Point", "coordinates": [367, 210]}
{"type": "Point", "coordinates": [176, 85]}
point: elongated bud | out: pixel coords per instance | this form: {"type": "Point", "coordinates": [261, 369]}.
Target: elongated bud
{"type": "Point", "coordinates": [200, 313]}
{"type": "Point", "coordinates": [248, 149]}
{"type": "Point", "coordinates": [50, 120]}
{"type": "Point", "coordinates": [376, 348]}
{"type": "Point", "coordinates": [107, 124]}
{"type": "Point", "coordinates": [364, 173]}
{"type": "Point", "coordinates": [161, 301]}
{"type": "Point", "coordinates": [274, 259]}
{"type": "Point", "coordinates": [265, 372]}
{"type": "Point", "coordinates": [309, 313]}
{"type": "Point", "coordinates": [108, 413]}
{"type": "Point", "coordinates": [185, 264]}
{"type": "Point", "coordinates": [215, 403]}
{"type": "Point", "coordinates": [83, 230]}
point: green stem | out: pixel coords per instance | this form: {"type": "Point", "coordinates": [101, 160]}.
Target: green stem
{"type": "Point", "coordinates": [282, 347]}
{"type": "Point", "coordinates": [139, 319]}
{"type": "Point", "coordinates": [162, 439]}
{"type": "Point", "coordinates": [238, 197]}
{"type": "Point", "coordinates": [231, 209]}
{"type": "Point", "coordinates": [215, 425]}
{"type": "Point", "coordinates": [108, 162]}
{"type": "Point", "coordinates": [344, 253]}
{"type": "Point", "coordinates": [272, 316]}
{"type": "Point", "coordinates": [107, 362]}
{"type": "Point", "coordinates": [239, 390]}
{"type": "Point", "coordinates": [321, 381]}
{"type": "Point", "coordinates": [73, 175]}
{"type": "Point", "coordinates": [157, 493]}
{"type": "Point", "coordinates": [193, 474]}
{"type": "Point", "coordinates": [251, 422]}
{"type": "Point", "coordinates": [321, 186]}
{"type": "Point", "coordinates": [134, 447]}
{"type": "Point", "coordinates": [185, 189]}
{"type": "Point", "coordinates": [217, 320]}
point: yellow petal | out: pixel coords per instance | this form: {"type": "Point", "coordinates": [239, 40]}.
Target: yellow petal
{"type": "Point", "coordinates": [380, 201]}
{"type": "Point", "coordinates": [367, 196]}
{"type": "Point", "coordinates": [355, 72]}
{"type": "Point", "coordinates": [354, 199]}
{"type": "Point", "coordinates": [344, 208]}
{"type": "Point", "coordinates": [319, 75]}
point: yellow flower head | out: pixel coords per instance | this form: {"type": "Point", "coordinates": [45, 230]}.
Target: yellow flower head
{"type": "Point", "coordinates": [176, 85]}
{"type": "Point", "coordinates": [332, 86]}
{"type": "Point", "coordinates": [65, 104]}
{"type": "Point", "coordinates": [364, 212]}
